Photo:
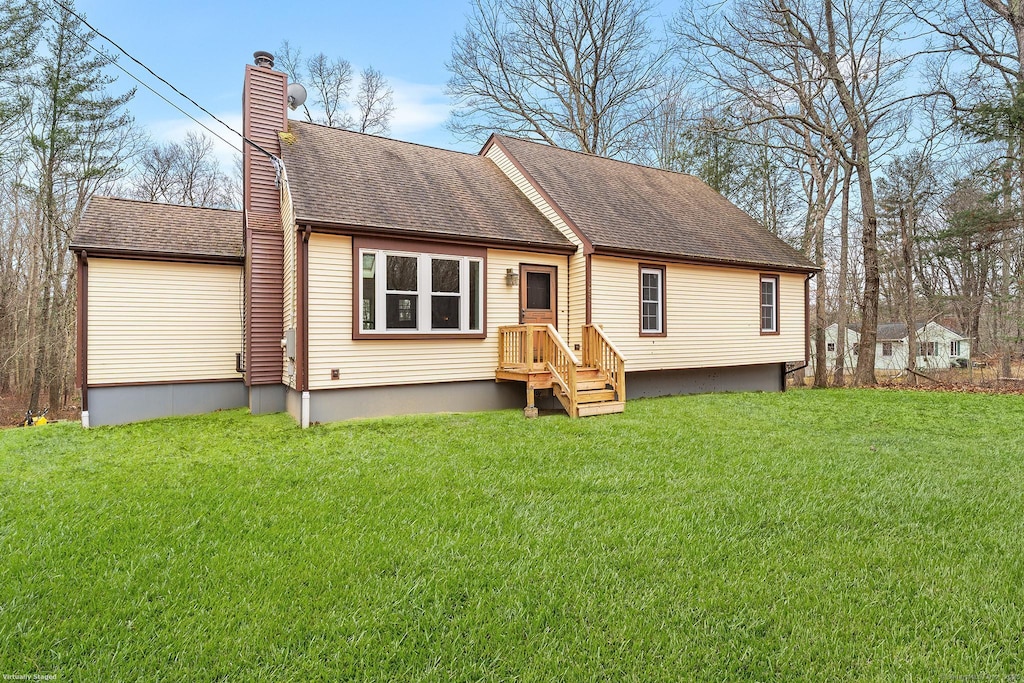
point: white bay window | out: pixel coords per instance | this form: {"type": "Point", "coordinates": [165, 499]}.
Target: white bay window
{"type": "Point", "coordinates": [407, 292]}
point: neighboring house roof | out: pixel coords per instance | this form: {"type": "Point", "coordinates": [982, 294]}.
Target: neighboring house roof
{"type": "Point", "coordinates": [346, 179]}
{"type": "Point", "coordinates": [626, 208]}
{"type": "Point", "coordinates": [898, 331]}
{"type": "Point", "coordinates": [895, 331]}
{"type": "Point", "coordinates": [130, 227]}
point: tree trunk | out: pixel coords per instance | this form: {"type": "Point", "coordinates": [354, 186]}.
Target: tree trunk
{"type": "Point", "coordinates": [844, 255]}
{"type": "Point", "coordinates": [820, 362]}
{"type": "Point", "coordinates": [908, 292]}
{"type": "Point", "coordinates": [865, 372]}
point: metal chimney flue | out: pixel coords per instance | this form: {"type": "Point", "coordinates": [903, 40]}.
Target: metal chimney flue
{"type": "Point", "coordinates": [263, 59]}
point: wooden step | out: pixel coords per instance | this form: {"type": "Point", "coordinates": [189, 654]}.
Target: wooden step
{"type": "Point", "coordinates": [606, 408]}
{"type": "Point", "coordinates": [595, 395]}
{"type": "Point", "coordinates": [587, 385]}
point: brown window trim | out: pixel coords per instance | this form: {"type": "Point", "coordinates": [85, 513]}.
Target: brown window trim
{"type": "Point", "coordinates": [778, 300]}
{"type": "Point", "coordinates": [664, 298]}
{"type": "Point", "coordinates": [441, 248]}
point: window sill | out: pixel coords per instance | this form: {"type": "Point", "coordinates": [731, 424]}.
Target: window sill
{"type": "Point", "coordinates": [417, 336]}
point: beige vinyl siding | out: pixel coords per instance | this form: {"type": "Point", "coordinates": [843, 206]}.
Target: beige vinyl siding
{"type": "Point", "coordinates": [577, 265]}
{"type": "Point", "coordinates": [290, 291]}
{"type": "Point", "coordinates": [366, 362]}
{"type": "Point", "coordinates": [151, 321]}
{"type": "Point", "coordinates": [712, 316]}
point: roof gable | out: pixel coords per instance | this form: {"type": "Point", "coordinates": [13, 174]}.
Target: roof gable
{"type": "Point", "coordinates": [625, 207]}
{"type": "Point", "coordinates": [342, 178]}
{"type": "Point", "coordinates": [128, 226]}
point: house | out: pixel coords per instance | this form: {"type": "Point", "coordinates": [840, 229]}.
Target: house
{"type": "Point", "coordinates": [937, 347]}
{"type": "Point", "coordinates": [382, 277]}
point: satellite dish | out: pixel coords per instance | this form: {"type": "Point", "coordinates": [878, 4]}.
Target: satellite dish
{"type": "Point", "coordinates": [296, 96]}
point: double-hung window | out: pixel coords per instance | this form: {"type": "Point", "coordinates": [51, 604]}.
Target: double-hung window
{"type": "Point", "coordinates": [652, 300]}
{"type": "Point", "coordinates": [954, 348]}
{"type": "Point", "coordinates": [769, 304]}
{"type": "Point", "coordinates": [403, 292]}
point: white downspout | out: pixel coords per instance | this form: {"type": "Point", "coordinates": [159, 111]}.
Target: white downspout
{"type": "Point", "coordinates": [85, 419]}
{"type": "Point", "coordinates": [304, 410]}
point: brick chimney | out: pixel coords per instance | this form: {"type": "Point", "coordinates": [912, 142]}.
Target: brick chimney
{"type": "Point", "coordinates": [264, 115]}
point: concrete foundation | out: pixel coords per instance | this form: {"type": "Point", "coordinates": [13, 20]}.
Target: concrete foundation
{"type": "Point", "coordinates": [121, 404]}
{"type": "Point", "coordinates": [449, 397]}
{"type": "Point", "coordinates": [267, 398]}
{"type": "Point", "coordinates": [766, 377]}
{"type": "Point", "coordinates": [293, 403]}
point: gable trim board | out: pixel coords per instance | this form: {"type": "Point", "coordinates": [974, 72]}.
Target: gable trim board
{"type": "Point", "coordinates": [432, 238]}
{"type": "Point", "coordinates": [495, 142]}
{"type": "Point", "coordinates": [169, 257]}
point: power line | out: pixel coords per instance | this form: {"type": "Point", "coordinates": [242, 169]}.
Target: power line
{"type": "Point", "coordinates": [113, 62]}
{"type": "Point", "coordinates": [200, 107]}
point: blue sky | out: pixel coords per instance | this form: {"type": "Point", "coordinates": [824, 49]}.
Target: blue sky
{"type": "Point", "coordinates": [202, 48]}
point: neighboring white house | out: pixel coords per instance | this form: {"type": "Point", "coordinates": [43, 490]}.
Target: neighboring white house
{"type": "Point", "coordinates": [937, 347]}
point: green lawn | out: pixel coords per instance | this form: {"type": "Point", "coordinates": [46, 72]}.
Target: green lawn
{"type": "Point", "coordinates": [812, 535]}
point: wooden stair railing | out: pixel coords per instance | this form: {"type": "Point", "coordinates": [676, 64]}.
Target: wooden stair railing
{"type": "Point", "coordinates": [562, 363]}
{"type": "Point", "coordinates": [538, 355]}
{"type": "Point", "coordinates": [599, 352]}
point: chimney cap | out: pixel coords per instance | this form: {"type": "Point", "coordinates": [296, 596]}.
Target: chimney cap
{"type": "Point", "coordinates": [264, 59]}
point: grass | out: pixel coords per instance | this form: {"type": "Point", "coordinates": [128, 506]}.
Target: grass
{"type": "Point", "coordinates": [812, 535]}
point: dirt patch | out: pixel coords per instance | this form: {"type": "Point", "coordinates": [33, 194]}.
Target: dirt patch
{"type": "Point", "coordinates": [994, 387]}
{"type": "Point", "coordinates": [13, 407]}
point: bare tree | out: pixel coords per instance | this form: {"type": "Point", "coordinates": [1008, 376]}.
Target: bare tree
{"type": "Point", "coordinates": [375, 103]}
{"type": "Point", "coordinates": [572, 73]}
{"type": "Point", "coordinates": [773, 87]}
{"type": "Point", "coordinates": [186, 173]}
{"type": "Point", "coordinates": [330, 82]}
{"type": "Point", "coordinates": [906, 192]}
{"type": "Point", "coordinates": [986, 95]}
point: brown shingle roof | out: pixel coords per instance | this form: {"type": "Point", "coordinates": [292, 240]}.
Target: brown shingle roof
{"type": "Point", "coordinates": [126, 225]}
{"type": "Point", "coordinates": [344, 178]}
{"type": "Point", "coordinates": [626, 207]}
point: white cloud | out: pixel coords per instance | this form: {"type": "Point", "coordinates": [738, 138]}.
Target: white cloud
{"type": "Point", "coordinates": [418, 108]}
{"type": "Point", "coordinates": [420, 113]}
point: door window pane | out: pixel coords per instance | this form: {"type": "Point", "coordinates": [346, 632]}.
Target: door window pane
{"type": "Point", "coordinates": [538, 291]}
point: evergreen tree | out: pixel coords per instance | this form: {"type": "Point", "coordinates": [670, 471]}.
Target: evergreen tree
{"type": "Point", "coordinates": [80, 138]}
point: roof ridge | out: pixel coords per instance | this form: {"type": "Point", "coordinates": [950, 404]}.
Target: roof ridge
{"type": "Point", "coordinates": [384, 138]}
{"type": "Point", "coordinates": [597, 156]}
{"type": "Point", "coordinates": [155, 203]}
